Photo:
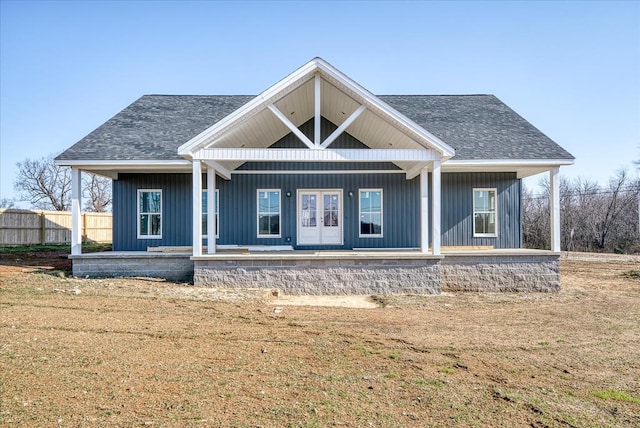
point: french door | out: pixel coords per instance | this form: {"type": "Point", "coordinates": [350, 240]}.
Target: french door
{"type": "Point", "coordinates": [320, 217]}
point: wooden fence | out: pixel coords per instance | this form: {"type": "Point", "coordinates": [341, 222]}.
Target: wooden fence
{"type": "Point", "coordinates": [24, 227]}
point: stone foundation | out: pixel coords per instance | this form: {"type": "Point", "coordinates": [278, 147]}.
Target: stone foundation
{"type": "Point", "coordinates": [339, 274]}
{"type": "Point", "coordinates": [317, 275]}
{"type": "Point", "coordinates": [171, 266]}
{"type": "Point", "coordinates": [525, 272]}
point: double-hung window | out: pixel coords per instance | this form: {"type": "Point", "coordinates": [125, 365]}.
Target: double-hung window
{"type": "Point", "coordinates": [370, 213]}
{"type": "Point", "coordinates": [149, 214]}
{"type": "Point", "coordinates": [485, 221]}
{"type": "Point", "coordinates": [205, 214]}
{"type": "Point", "coordinates": [268, 213]}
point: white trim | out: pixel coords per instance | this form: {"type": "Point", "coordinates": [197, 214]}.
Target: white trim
{"type": "Point", "coordinates": [317, 114]}
{"type": "Point", "coordinates": [118, 163]}
{"type": "Point", "coordinates": [220, 170]}
{"type": "Point", "coordinates": [292, 127]}
{"type": "Point", "coordinates": [279, 235]}
{"type": "Point", "coordinates": [415, 171]}
{"type": "Point", "coordinates": [424, 210]}
{"type": "Point", "coordinates": [554, 208]}
{"type": "Point", "coordinates": [515, 162]}
{"type": "Point", "coordinates": [473, 214]}
{"type": "Point", "coordinates": [372, 235]}
{"type": "Point", "coordinates": [314, 172]}
{"type": "Point", "coordinates": [196, 203]}
{"type": "Point", "coordinates": [139, 235]}
{"type": "Point", "coordinates": [343, 127]}
{"type": "Point", "coordinates": [326, 155]}
{"type": "Point", "coordinates": [436, 203]}
{"type": "Point", "coordinates": [76, 211]}
{"type": "Point", "coordinates": [320, 214]}
{"type": "Point", "coordinates": [215, 213]}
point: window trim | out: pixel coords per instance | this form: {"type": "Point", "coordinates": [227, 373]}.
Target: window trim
{"type": "Point", "coordinates": [381, 234]}
{"type": "Point", "coordinates": [473, 218]}
{"type": "Point", "coordinates": [279, 235]}
{"type": "Point", "coordinates": [216, 213]}
{"type": "Point", "coordinates": [139, 235]}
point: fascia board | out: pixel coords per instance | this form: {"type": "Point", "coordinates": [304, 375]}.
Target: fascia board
{"type": "Point", "coordinates": [117, 163]}
{"type": "Point", "coordinates": [509, 162]}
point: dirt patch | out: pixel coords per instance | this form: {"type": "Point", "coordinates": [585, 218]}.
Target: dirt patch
{"type": "Point", "coordinates": [362, 302]}
{"type": "Point", "coordinates": [127, 352]}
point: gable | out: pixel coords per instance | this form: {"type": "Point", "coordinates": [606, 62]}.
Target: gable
{"type": "Point", "coordinates": [316, 89]}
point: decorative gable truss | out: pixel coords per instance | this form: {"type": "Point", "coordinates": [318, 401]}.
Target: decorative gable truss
{"type": "Point", "coordinates": [314, 91]}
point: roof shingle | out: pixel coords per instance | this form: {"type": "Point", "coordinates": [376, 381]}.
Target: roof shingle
{"type": "Point", "coordinates": [476, 126]}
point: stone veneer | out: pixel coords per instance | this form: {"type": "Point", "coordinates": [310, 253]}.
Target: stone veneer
{"type": "Point", "coordinates": [171, 266]}
{"type": "Point", "coordinates": [521, 272]}
{"type": "Point", "coordinates": [344, 273]}
{"type": "Point", "coordinates": [324, 274]}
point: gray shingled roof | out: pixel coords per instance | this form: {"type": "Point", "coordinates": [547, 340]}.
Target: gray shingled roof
{"type": "Point", "coordinates": [476, 126]}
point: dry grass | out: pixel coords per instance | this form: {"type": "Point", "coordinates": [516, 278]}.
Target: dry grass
{"type": "Point", "coordinates": [76, 352]}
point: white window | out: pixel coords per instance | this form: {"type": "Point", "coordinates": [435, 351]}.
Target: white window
{"type": "Point", "coordinates": [205, 215]}
{"type": "Point", "coordinates": [485, 220]}
{"type": "Point", "coordinates": [149, 214]}
{"type": "Point", "coordinates": [268, 213]}
{"type": "Point", "coordinates": [370, 213]}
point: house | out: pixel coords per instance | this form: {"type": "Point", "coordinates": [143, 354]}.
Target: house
{"type": "Point", "coordinates": [321, 187]}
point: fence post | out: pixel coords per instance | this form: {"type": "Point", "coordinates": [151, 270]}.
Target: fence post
{"type": "Point", "coordinates": [84, 227]}
{"type": "Point", "coordinates": [43, 228]}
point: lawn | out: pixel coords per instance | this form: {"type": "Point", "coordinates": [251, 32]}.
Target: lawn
{"type": "Point", "coordinates": [141, 352]}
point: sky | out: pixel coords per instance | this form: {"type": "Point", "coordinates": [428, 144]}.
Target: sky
{"type": "Point", "coordinates": [572, 69]}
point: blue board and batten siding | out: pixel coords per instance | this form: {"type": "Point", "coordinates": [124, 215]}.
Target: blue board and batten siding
{"type": "Point", "coordinates": [457, 209]}
{"type": "Point", "coordinates": [176, 210]}
{"type": "Point", "coordinates": [238, 209]}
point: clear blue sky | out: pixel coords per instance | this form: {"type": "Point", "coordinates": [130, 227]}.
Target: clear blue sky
{"type": "Point", "coordinates": [570, 68]}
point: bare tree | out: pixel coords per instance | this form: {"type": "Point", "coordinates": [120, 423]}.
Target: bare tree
{"type": "Point", "coordinates": [44, 184]}
{"type": "Point", "coordinates": [48, 186]}
{"type": "Point", "coordinates": [97, 193]}
{"type": "Point", "coordinates": [7, 203]}
{"type": "Point", "coordinates": [593, 218]}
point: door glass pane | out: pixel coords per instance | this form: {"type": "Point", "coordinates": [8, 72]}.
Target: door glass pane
{"type": "Point", "coordinates": [330, 210]}
{"type": "Point", "coordinates": [309, 212]}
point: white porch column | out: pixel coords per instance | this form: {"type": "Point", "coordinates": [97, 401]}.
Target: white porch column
{"type": "Point", "coordinates": [197, 208]}
{"type": "Point", "coordinates": [211, 210]}
{"type": "Point", "coordinates": [436, 220]}
{"type": "Point", "coordinates": [554, 207]}
{"type": "Point", "coordinates": [424, 210]}
{"type": "Point", "coordinates": [76, 213]}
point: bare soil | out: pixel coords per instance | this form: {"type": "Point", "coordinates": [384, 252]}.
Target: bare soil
{"type": "Point", "coordinates": [141, 352]}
